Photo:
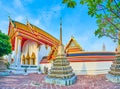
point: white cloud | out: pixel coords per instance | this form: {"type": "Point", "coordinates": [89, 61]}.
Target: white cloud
{"type": "Point", "coordinates": [36, 22]}
{"type": "Point", "coordinates": [18, 3]}
{"type": "Point", "coordinates": [19, 18]}
{"type": "Point", "coordinates": [56, 8]}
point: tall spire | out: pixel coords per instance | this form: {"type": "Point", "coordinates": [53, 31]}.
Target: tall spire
{"type": "Point", "coordinates": [103, 47]}
{"type": "Point", "coordinates": [61, 46]}
{"type": "Point", "coordinates": [60, 31]}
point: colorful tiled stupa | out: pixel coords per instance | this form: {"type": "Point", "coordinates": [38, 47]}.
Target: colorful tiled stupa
{"type": "Point", "coordinates": [61, 72]}
{"type": "Point", "coordinates": [114, 73]}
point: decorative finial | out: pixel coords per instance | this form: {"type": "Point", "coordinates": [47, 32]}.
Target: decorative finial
{"type": "Point", "coordinates": [27, 20]}
{"type": "Point", "coordinates": [60, 30]}
{"type": "Point", "coordinates": [9, 18]}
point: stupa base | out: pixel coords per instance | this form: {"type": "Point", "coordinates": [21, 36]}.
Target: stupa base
{"type": "Point", "coordinates": [62, 82]}
{"type": "Point", "coordinates": [113, 78]}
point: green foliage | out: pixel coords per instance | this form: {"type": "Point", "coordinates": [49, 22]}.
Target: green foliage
{"type": "Point", "coordinates": [5, 46]}
{"type": "Point", "coordinates": [70, 3]}
{"type": "Point", "coordinates": [107, 13]}
{"type": "Point", "coordinates": [65, 1]}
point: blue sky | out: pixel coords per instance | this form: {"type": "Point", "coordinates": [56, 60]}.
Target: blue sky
{"type": "Point", "coordinates": [46, 15]}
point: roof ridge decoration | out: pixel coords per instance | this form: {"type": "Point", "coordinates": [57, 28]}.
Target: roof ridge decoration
{"type": "Point", "coordinates": [11, 30]}
{"type": "Point", "coordinates": [11, 21]}
{"type": "Point", "coordinates": [29, 26]}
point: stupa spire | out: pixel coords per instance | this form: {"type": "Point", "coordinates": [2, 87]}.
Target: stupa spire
{"type": "Point", "coordinates": [60, 31]}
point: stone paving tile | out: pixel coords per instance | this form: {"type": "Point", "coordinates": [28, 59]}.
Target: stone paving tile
{"type": "Point", "coordinates": [36, 81]}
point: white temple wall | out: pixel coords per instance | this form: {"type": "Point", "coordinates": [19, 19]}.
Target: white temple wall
{"type": "Point", "coordinates": [39, 50]}
{"type": "Point", "coordinates": [48, 65]}
{"type": "Point", "coordinates": [43, 51]}
{"type": "Point", "coordinates": [30, 46]}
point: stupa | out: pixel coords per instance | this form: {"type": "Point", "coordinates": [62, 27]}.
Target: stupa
{"type": "Point", "coordinates": [3, 67]}
{"type": "Point", "coordinates": [114, 73]}
{"type": "Point", "coordinates": [61, 73]}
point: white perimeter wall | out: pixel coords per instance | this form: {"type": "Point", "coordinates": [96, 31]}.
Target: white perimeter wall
{"type": "Point", "coordinates": [83, 68]}
{"type": "Point", "coordinates": [91, 67]}
{"type": "Point", "coordinates": [45, 65]}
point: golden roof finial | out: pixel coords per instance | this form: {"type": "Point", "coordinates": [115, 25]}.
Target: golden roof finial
{"type": "Point", "coordinates": [60, 30]}
{"type": "Point", "coordinates": [27, 20]}
{"type": "Point", "coordinates": [9, 18]}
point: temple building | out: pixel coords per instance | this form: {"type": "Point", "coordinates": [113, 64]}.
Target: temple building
{"type": "Point", "coordinates": [33, 48]}
{"type": "Point", "coordinates": [29, 44]}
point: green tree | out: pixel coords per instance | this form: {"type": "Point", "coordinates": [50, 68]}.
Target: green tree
{"type": "Point", "coordinates": [107, 13]}
{"type": "Point", "coordinates": [5, 46]}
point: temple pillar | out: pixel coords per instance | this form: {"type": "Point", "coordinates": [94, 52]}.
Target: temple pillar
{"type": "Point", "coordinates": [36, 61]}
{"type": "Point", "coordinates": [18, 41]}
{"type": "Point", "coordinates": [39, 48]}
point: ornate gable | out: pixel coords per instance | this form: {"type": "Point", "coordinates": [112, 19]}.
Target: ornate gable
{"type": "Point", "coordinates": [73, 46]}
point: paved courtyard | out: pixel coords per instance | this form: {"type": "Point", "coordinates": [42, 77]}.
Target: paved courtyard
{"type": "Point", "coordinates": [36, 81]}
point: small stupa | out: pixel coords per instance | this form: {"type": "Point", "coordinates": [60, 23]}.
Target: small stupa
{"type": "Point", "coordinates": [3, 67]}
{"type": "Point", "coordinates": [61, 73]}
{"type": "Point", "coordinates": [114, 73]}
